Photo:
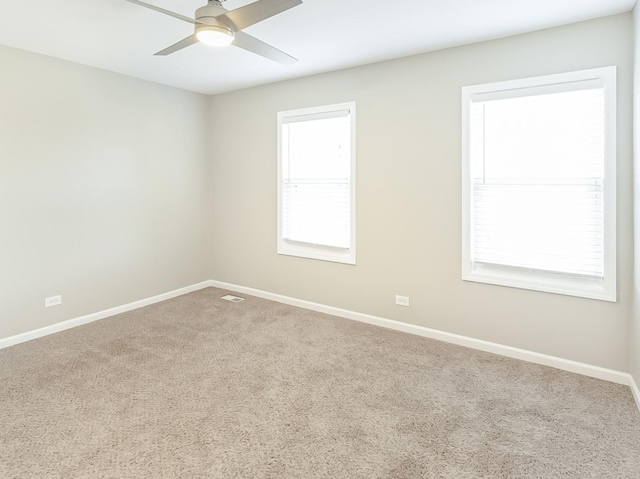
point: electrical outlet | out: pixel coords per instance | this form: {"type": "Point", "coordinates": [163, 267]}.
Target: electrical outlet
{"type": "Point", "coordinates": [402, 300]}
{"type": "Point", "coordinates": [52, 301]}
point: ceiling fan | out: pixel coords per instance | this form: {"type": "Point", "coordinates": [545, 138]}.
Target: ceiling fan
{"type": "Point", "coordinates": [216, 26]}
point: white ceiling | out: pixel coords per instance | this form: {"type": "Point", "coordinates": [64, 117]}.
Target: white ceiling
{"type": "Point", "coordinates": [324, 34]}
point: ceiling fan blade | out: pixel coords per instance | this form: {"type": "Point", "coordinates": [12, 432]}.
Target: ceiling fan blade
{"type": "Point", "coordinates": [255, 12]}
{"type": "Point", "coordinates": [190, 40]}
{"type": "Point", "coordinates": [253, 45]}
{"type": "Point", "coordinates": [166, 12]}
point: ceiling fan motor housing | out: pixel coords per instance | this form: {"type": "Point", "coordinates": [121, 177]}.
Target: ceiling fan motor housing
{"type": "Point", "coordinates": [207, 17]}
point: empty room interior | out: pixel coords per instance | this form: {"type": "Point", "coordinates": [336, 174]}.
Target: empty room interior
{"type": "Point", "coordinates": [320, 238]}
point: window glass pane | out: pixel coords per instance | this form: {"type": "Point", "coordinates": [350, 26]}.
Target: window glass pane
{"type": "Point", "coordinates": [317, 149]}
{"type": "Point", "coordinates": [316, 194]}
{"type": "Point", "coordinates": [537, 165]}
{"type": "Point", "coordinates": [556, 136]}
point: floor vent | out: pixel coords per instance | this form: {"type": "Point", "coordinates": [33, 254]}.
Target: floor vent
{"type": "Point", "coordinates": [233, 299]}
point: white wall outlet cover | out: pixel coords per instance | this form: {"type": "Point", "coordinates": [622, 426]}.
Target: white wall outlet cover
{"type": "Point", "coordinates": [52, 301]}
{"type": "Point", "coordinates": [402, 300]}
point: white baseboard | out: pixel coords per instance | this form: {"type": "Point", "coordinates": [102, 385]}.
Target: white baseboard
{"type": "Point", "coordinates": [500, 349]}
{"type": "Point", "coordinates": [89, 318]}
{"type": "Point", "coordinates": [635, 390]}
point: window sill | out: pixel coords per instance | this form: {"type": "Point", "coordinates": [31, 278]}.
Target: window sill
{"type": "Point", "coordinates": [321, 253]}
{"type": "Point", "coordinates": [541, 281]}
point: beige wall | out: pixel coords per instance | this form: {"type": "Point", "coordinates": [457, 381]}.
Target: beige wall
{"type": "Point", "coordinates": [635, 319]}
{"type": "Point", "coordinates": [408, 194]}
{"type": "Point", "coordinates": [114, 189]}
{"type": "Point", "coordinates": [103, 190]}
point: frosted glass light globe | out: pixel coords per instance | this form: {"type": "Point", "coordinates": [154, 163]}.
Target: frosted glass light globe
{"type": "Point", "coordinates": [215, 36]}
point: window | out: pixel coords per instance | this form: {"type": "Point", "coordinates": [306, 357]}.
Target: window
{"type": "Point", "coordinates": [316, 183]}
{"type": "Point", "coordinates": [539, 178]}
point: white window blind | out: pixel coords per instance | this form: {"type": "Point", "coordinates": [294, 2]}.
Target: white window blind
{"type": "Point", "coordinates": [316, 184]}
{"type": "Point", "coordinates": [541, 184]}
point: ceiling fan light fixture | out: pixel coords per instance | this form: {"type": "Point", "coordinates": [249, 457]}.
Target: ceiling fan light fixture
{"type": "Point", "coordinates": [214, 36]}
{"type": "Point", "coordinates": [216, 26]}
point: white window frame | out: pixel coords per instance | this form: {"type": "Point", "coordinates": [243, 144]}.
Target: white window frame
{"type": "Point", "coordinates": [312, 251]}
{"type": "Point", "coordinates": [527, 278]}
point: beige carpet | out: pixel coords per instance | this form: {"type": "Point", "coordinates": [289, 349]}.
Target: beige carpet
{"type": "Point", "coordinates": [197, 387]}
